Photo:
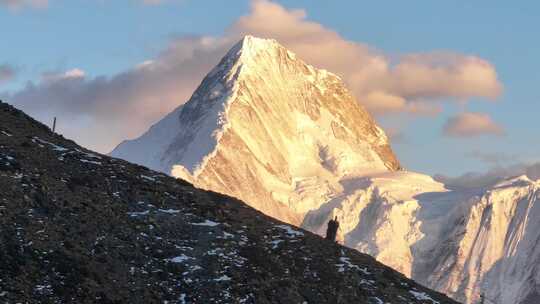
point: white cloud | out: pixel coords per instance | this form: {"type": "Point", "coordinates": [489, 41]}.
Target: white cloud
{"type": "Point", "coordinates": [72, 74]}
{"type": "Point", "coordinates": [470, 124]}
{"type": "Point", "coordinates": [380, 83]}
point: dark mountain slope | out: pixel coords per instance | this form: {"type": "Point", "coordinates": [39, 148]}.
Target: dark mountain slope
{"type": "Point", "coordinates": [78, 227]}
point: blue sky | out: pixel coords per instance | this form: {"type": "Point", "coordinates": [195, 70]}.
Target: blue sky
{"type": "Point", "coordinates": [106, 38]}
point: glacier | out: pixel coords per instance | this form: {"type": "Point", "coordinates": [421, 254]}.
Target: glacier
{"type": "Point", "coordinates": [291, 140]}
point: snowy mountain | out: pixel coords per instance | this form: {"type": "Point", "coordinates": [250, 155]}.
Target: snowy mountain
{"type": "Point", "coordinates": [291, 141]}
{"type": "Point", "coordinates": [269, 129]}
{"type": "Point", "coordinates": [462, 243]}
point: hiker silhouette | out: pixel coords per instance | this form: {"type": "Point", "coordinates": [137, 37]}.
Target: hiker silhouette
{"type": "Point", "coordinates": [331, 230]}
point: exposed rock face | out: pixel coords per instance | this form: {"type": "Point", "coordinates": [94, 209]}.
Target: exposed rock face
{"type": "Point", "coordinates": [267, 128]}
{"type": "Point", "coordinates": [79, 227]}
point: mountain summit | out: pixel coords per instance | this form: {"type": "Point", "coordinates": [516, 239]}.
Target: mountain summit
{"type": "Point", "coordinates": [267, 128]}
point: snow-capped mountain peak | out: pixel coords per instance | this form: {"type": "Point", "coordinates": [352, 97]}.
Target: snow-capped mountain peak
{"type": "Point", "coordinates": [296, 130]}
{"type": "Point", "coordinates": [251, 46]}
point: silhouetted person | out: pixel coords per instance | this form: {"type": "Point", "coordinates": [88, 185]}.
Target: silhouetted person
{"type": "Point", "coordinates": [331, 231]}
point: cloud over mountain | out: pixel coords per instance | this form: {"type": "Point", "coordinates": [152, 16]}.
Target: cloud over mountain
{"type": "Point", "coordinates": [469, 124]}
{"type": "Point", "coordinates": [386, 84]}
{"type": "Point", "coordinates": [104, 110]}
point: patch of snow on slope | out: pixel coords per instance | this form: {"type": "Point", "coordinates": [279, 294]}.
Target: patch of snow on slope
{"type": "Point", "coordinates": [422, 296]}
{"type": "Point", "coordinates": [208, 223]}
{"type": "Point", "coordinates": [292, 233]}
{"type": "Point", "coordinates": [180, 259]}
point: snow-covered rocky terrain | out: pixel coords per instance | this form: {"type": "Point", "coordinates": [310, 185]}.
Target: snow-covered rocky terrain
{"type": "Point", "coordinates": [291, 141]}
